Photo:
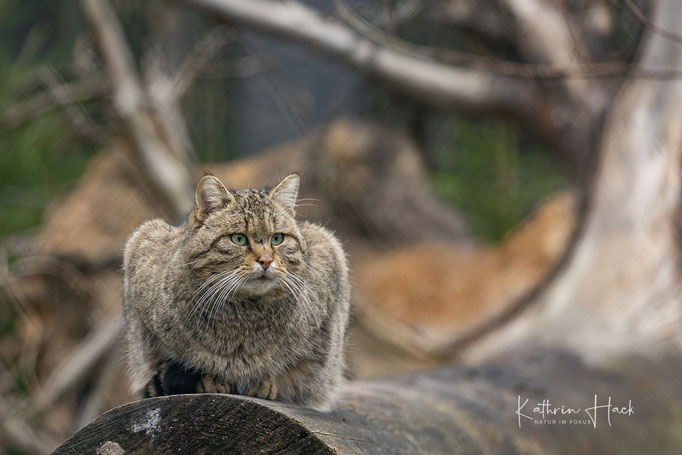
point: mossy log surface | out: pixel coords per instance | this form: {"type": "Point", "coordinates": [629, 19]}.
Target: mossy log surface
{"type": "Point", "coordinates": [451, 410]}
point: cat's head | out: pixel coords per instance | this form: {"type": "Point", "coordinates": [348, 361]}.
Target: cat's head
{"type": "Point", "coordinates": [248, 240]}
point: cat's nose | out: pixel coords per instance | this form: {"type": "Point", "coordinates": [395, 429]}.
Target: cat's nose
{"type": "Point", "coordinates": [265, 261]}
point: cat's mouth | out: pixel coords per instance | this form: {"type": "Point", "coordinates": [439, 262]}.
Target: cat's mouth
{"type": "Point", "coordinates": [259, 283]}
{"type": "Point", "coordinates": [265, 275]}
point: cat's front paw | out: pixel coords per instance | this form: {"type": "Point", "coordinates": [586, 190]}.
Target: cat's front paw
{"type": "Point", "coordinates": [211, 384]}
{"type": "Point", "coordinates": [266, 389]}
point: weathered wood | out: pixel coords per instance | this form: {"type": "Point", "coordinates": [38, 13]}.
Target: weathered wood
{"type": "Point", "coordinates": [619, 289]}
{"type": "Point", "coordinates": [452, 410]}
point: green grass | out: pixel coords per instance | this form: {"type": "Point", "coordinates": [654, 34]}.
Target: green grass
{"type": "Point", "coordinates": [37, 163]}
{"type": "Point", "coordinates": [8, 317]}
{"type": "Point", "coordinates": [40, 160]}
{"type": "Point", "coordinates": [490, 178]}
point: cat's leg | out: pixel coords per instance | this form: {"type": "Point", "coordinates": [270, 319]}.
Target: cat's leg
{"type": "Point", "coordinates": [173, 378]}
{"type": "Point", "coordinates": [311, 383]}
{"type": "Point", "coordinates": [316, 380]}
{"type": "Point", "coordinates": [141, 358]}
{"type": "Point", "coordinates": [211, 384]}
{"type": "Point", "coordinates": [154, 387]}
{"type": "Point", "coordinates": [266, 389]}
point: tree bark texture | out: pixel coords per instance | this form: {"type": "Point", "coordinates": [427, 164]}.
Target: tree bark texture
{"type": "Point", "coordinates": [452, 410]}
{"type": "Point", "coordinates": [619, 290]}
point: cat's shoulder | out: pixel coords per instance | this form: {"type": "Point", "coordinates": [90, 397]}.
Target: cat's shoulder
{"type": "Point", "coordinates": [150, 234]}
{"type": "Point", "coordinates": [319, 238]}
{"type": "Point", "coordinates": [317, 234]}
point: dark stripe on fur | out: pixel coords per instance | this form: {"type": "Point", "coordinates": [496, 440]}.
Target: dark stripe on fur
{"type": "Point", "coordinates": [211, 246]}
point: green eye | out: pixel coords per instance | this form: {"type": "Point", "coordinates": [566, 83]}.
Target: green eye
{"type": "Point", "coordinates": [277, 239]}
{"type": "Point", "coordinates": [238, 239]}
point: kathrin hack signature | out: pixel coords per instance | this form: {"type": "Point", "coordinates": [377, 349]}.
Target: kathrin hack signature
{"type": "Point", "coordinates": [544, 413]}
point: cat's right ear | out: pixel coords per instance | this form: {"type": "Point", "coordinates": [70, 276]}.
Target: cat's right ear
{"type": "Point", "coordinates": [211, 195]}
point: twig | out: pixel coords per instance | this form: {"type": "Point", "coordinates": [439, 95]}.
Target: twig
{"type": "Point", "coordinates": [282, 92]}
{"type": "Point", "coordinates": [171, 127]}
{"type": "Point", "coordinates": [587, 70]}
{"type": "Point", "coordinates": [199, 58]}
{"type": "Point", "coordinates": [76, 367]}
{"type": "Point", "coordinates": [15, 432]}
{"type": "Point", "coordinates": [644, 19]}
{"type": "Point", "coordinates": [430, 81]}
{"type": "Point", "coordinates": [249, 66]}
{"type": "Point", "coordinates": [52, 266]}
{"type": "Point", "coordinates": [95, 401]}
{"type": "Point", "coordinates": [44, 102]}
{"type": "Point", "coordinates": [578, 47]}
{"type": "Point", "coordinates": [78, 116]}
{"type": "Point", "coordinates": [484, 18]}
{"type": "Point", "coordinates": [165, 166]}
{"type": "Point", "coordinates": [15, 293]}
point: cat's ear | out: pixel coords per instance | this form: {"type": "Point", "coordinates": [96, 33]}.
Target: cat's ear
{"type": "Point", "coordinates": [211, 195]}
{"type": "Point", "coordinates": [286, 192]}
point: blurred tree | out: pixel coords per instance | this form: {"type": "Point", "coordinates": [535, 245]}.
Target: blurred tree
{"type": "Point", "coordinates": [599, 116]}
{"type": "Point", "coordinates": [38, 157]}
{"type": "Point", "coordinates": [565, 75]}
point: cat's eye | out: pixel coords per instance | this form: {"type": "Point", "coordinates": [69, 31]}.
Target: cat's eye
{"type": "Point", "coordinates": [238, 239]}
{"type": "Point", "coordinates": [277, 239]}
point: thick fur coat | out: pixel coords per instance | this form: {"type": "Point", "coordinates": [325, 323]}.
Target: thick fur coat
{"type": "Point", "coordinates": [241, 298]}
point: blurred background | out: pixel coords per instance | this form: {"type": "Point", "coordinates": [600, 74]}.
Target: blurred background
{"type": "Point", "coordinates": [454, 202]}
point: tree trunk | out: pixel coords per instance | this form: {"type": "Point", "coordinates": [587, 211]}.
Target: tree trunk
{"type": "Point", "coordinates": [448, 411]}
{"type": "Point", "coordinates": [619, 290]}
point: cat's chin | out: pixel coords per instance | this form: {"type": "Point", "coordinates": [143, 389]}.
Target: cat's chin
{"type": "Point", "coordinates": [258, 286]}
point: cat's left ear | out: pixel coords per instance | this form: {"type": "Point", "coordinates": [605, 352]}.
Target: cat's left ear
{"type": "Point", "coordinates": [211, 195]}
{"type": "Point", "coordinates": [286, 192]}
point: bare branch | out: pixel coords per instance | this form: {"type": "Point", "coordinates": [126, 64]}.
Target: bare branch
{"type": "Point", "coordinates": [15, 432]}
{"type": "Point", "coordinates": [424, 79]}
{"type": "Point", "coordinates": [93, 406]}
{"type": "Point", "coordinates": [484, 17]}
{"type": "Point", "coordinates": [602, 301]}
{"type": "Point", "coordinates": [543, 33]}
{"type": "Point", "coordinates": [545, 36]}
{"type": "Point", "coordinates": [548, 71]}
{"type": "Point", "coordinates": [198, 59]}
{"type": "Point", "coordinates": [83, 125]}
{"type": "Point", "coordinates": [391, 16]}
{"type": "Point", "coordinates": [77, 365]}
{"type": "Point", "coordinates": [643, 18]}
{"type": "Point", "coordinates": [172, 129]}
{"type": "Point", "coordinates": [165, 165]}
{"type": "Point", "coordinates": [44, 102]}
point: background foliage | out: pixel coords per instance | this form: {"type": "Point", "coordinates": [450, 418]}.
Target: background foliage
{"type": "Point", "coordinates": [489, 170]}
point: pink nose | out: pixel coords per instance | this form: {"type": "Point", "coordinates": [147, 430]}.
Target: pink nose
{"type": "Point", "coordinates": [265, 261]}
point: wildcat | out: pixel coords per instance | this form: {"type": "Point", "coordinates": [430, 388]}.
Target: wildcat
{"type": "Point", "coordinates": [241, 298]}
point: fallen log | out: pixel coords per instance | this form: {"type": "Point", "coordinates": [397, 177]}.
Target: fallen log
{"type": "Point", "coordinates": [455, 409]}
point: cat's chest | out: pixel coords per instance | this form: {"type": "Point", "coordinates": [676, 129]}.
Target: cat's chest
{"type": "Point", "coordinates": [242, 336]}
{"type": "Point", "coordinates": [246, 332]}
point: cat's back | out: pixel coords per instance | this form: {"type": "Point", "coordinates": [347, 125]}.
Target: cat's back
{"type": "Point", "coordinates": [326, 256]}
{"type": "Point", "coordinates": [322, 242]}
{"type": "Point", "coordinates": [147, 249]}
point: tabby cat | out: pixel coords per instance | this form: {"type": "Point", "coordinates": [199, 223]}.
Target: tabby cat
{"type": "Point", "coordinates": [241, 298]}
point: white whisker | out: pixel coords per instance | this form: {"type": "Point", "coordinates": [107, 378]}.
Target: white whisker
{"type": "Point", "coordinates": [220, 298]}
{"type": "Point", "coordinates": [231, 292]}
{"type": "Point", "coordinates": [215, 298]}
{"type": "Point", "coordinates": [298, 293]}
{"type": "Point", "coordinates": [209, 287]}
{"type": "Point", "coordinates": [303, 283]}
